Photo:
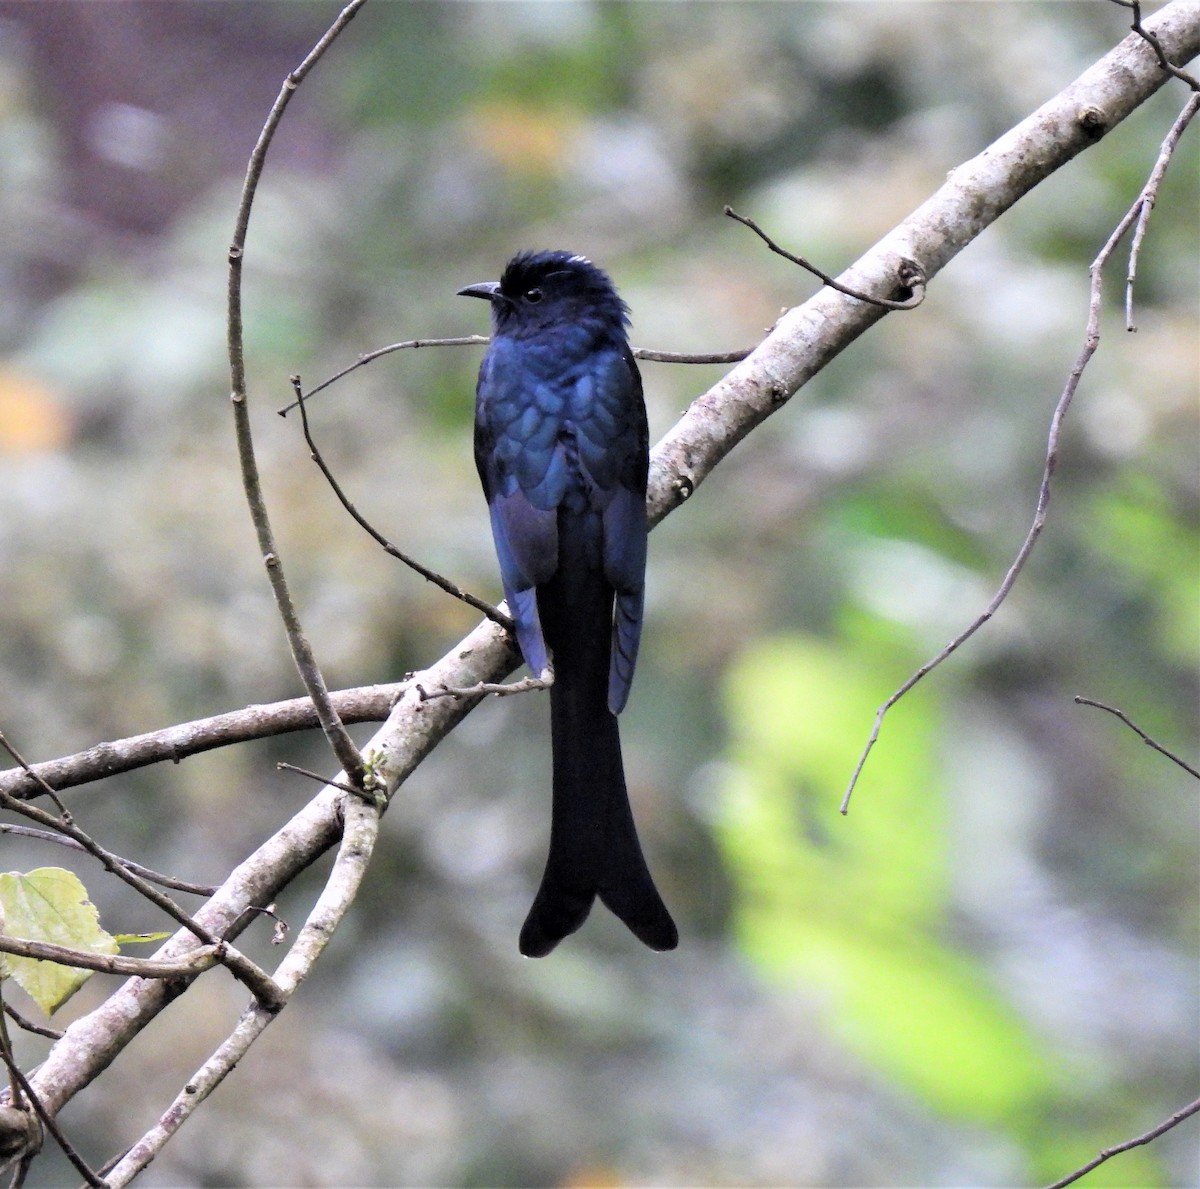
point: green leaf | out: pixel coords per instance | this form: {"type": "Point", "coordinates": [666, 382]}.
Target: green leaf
{"type": "Point", "coordinates": [49, 904]}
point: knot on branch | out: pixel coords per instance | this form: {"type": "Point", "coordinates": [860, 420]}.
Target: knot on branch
{"type": "Point", "coordinates": [1093, 121]}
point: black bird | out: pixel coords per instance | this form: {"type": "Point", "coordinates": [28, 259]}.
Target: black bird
{"type": "Point", "coordinates": [562, 447]}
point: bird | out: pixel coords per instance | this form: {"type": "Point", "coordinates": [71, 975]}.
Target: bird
{"type": "Point", "coordinates": [562, 450]}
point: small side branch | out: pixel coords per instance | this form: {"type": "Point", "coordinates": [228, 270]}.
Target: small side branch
{"type": "Point", "coordinates": [1147, 1137]}
{"type": "Point", "coordinates": [1080, 700]}
{"type": "Point", "coordinates": [481, 340]}
{"type": "Point", "coordinates": [910, 276]}
{"type": "Point", "coordinates": [155, 877]}
{"type": "Point", "coordinates": [198, 961]}
{"type": "Point", "coordinates": [485, 608]}
{"type": "Point", "coordinates": [1149, 38]}
{"type": "Point", "coordinates": [1150, 196]}
{"type": "Point", "coordinates": [481, 689]}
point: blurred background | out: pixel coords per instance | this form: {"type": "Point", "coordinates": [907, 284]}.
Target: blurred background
{"type": "Point", "coordinates": [983, 974]}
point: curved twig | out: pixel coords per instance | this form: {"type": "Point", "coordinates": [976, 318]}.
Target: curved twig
{"type": "Point", "coordinates": [482, 340]}
{"type": "Point", "coordinates": [1090, 343]}
{"type": "Point", "coordinates": [909, 275]}
{"type": "Point", "coordinates": [341, 743]}
{"type": "Point", "coordinates": [485, 608]}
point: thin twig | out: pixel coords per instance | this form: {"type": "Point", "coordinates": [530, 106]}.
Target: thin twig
{"type": "Point", "coordinates": [911, 276]}
{"type": "Point", "coordinates": [429, 575]}
{"type": "Point", "coordinates": [480, 689]}
{"type": "Point", "coordinates": [1108, 1153]}
{"type": "Point", "coordinates": [156, 877]}
{"type": "Point", "coordinates": [239, 965]}
{"type": "Point", "coordinates": [1080, 700]}
{"type": "Point", "coordinates": [335, 732]}
{"type": "Point", "coordinates": [1090, 343]}
{"type": "Point", "coordinates": [354, 854]}
{"type": "Point", "coordinates": [196, 962]}
{"type": "Point", "coordinates": [652, 356]}
{"type": "Point", "coordinates": [369, 703]}
{"type": "Point", "coordinates": [45, 788]}
{"type": "Point", "coordinates": [466, 340]}
{"type": "Point", "coordinates": [27, 1025]}
{"type": "Point", "coordinates": [1150, 195]}
{"type": "Point", "coordinates": [1135, 7]}
{"type": "Point", "coordinates": [481, 340]}
{"type": "Point", "coordinates": [283, 766]}
{"type": "Point", "coordinates": [22, 1089]}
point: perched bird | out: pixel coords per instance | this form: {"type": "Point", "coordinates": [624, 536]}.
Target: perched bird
{"type": "Point", "coordinates": [562, 447]}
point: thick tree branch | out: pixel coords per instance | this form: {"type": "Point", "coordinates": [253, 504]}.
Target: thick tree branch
{"type": "Point", "coordinates": [801, 343]}
{"type": "Point", "coordinates": [369, 703]}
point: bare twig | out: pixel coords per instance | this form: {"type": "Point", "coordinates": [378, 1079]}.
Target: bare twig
{"type": "Point", "coordinates": [1080, 700]}
{"type": "Point", "coordinates": [27, 1025]}
{"type": "Point", "coordinates": [481, 340]}
{"type": "Point", "coordinates": [335, 732]}
{"type": "Point", "coordinates": [429, 575]}
{"type": "Point", "coordinates": [1150, 195]}
{"type": "Point", "coordinates": [466, 340]}
{"type": "Point", "coordinates": [482, 688]}
{"type": "Point", "coordinates": [1108, 1153]}
{"type": "Point", "coordinates": [165, 881]}
{"type": "Point", "coordinates": [1149, 38]}
{"type": "Point", "coordinates": [197, 962]}
{"type": "Point", "coordinates": [1090, 343]}
{"type": "Point", "coordinates": [22, 1093]}
{"type": "Point", "coordinates": [369, 703]}
{"type": "Point", "coordinates": [909, 275]}
{"type": "Point", "coordinates": [38, 780]}
{"type": "Point", "coordinates": [652, 356]}
{"type": "Point", "coordinates": [239, 965]}
{"type": "Point", "coordinates": [283, 766]}
{"type": "Point", "coordinates": [354, 854]}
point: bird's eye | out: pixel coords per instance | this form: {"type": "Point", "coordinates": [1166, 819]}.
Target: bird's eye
{"type": "Point", "coordinates": [533, 296]}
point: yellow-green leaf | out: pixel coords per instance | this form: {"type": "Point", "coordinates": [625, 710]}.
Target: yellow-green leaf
{"type": "Point", "coordinates": [50, 904]}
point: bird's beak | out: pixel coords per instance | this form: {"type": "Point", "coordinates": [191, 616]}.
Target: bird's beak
{"type": "Point", "coordinates": [485, 289]}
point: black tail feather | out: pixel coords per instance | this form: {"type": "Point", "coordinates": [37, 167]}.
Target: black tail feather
{"type": "Point", "coordinates": [594, 847]}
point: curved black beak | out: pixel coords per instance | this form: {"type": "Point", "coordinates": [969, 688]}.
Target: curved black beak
{"type": "Point", "coordinates": [485, 289]}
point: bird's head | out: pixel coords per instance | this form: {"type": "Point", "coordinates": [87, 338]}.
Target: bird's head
{"type": "Point", "coordinates": [545, 289]}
